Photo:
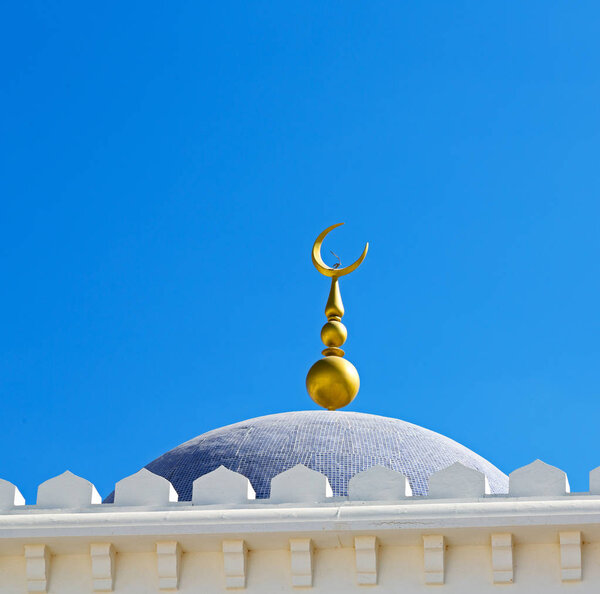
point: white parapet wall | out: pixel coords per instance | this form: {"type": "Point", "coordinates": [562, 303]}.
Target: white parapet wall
{"type": "Point", "coordinates": [539, 537]}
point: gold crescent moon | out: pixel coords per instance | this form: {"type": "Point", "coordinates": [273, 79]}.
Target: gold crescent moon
{"type": "Point", "coordinates": [327, 270]}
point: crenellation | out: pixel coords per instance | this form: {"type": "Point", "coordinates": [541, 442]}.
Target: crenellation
{"type": "Point", "coordinates": [144, 488]}
{"type": "Point", "coordinates": [67, 490]}
{"type": "Point", "coordinates": [595, 481]}
{"type": "Point", "coordinates": [538, 479]}
{"type": "Point", "coordinates": [222, 486]}
{"type": "Point", "coordinates": [378, 484]}
{"type": "Point", "coordinates": [300, 485]}
{"type": "Point", "coordinates": [296, 485]}
{"type": "Point", "coordinates": [10, 496]}
{"type": "Point", "coordinates": [458, 481]}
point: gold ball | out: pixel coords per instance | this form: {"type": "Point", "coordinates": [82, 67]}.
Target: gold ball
{"type": "Point", "coordinates": [332, 382]}
{"type": "Point", "coordinates": [334, 334]}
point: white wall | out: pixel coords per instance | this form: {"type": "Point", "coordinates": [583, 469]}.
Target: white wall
{"type": "Point", "coordinates": [50, 546]}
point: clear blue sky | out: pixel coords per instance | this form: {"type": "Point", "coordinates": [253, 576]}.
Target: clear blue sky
{"type": "Point", "coordinates": [165, 168]}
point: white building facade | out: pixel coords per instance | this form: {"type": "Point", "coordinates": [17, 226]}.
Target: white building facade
{"type": "Point", "coordinates": [538, 537]}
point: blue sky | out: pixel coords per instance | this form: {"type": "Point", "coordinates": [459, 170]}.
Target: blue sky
{"type": "Point", "coordinates": [165, 168]}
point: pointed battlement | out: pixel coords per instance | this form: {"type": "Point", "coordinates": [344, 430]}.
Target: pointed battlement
{"type": "Point", "coordinates": [295, 485]}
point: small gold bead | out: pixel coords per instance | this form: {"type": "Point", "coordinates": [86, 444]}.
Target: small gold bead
{"type": "Point", "coordinates": [334, 334]}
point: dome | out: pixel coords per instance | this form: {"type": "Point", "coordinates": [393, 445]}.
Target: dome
{"type": "Point", "coordinates": [338, 444]}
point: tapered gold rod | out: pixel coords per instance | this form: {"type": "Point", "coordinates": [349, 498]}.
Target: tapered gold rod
{"type": "Point", "coordinates": [333, 382]}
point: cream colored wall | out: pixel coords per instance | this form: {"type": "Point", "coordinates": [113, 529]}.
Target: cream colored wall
{"type": "Point", "coordinates": [12, 574]}
{"type": "Point", "coordinates": [69, 573]}
{"type": "Point", "coordinates": [468, 569]}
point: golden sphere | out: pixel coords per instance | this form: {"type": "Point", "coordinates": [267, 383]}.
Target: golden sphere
{"type": "Point", "coordinates": [334, 334]}
{"type": "Point", "coordinates": [332, 382]}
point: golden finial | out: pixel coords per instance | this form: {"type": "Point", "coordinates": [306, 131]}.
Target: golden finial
{"type": "Point", "coordinates": [333, 382]}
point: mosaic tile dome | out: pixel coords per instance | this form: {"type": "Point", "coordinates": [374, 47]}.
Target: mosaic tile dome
{"type": "Point", "coordinates": [338, 444]}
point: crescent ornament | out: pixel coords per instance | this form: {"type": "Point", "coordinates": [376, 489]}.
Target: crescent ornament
{"type": "Point", "coordinates": [328, 270]}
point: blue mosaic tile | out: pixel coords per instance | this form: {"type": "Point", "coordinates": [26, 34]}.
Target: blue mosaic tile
{"type": "Point", "coordinates": [338, 444]}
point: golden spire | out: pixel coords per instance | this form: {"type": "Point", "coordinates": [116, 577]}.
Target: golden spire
{"type": "Point", "coordinates": [333, 382]}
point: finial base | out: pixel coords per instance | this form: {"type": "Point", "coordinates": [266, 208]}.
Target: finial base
{"type": "Point", "coordinates": [332, 382]}
{"type": "Point", "coordinates": [333, 351]}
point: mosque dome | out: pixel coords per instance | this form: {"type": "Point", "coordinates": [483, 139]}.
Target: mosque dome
{"type": "Point", "coordinates": [337, 444]}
